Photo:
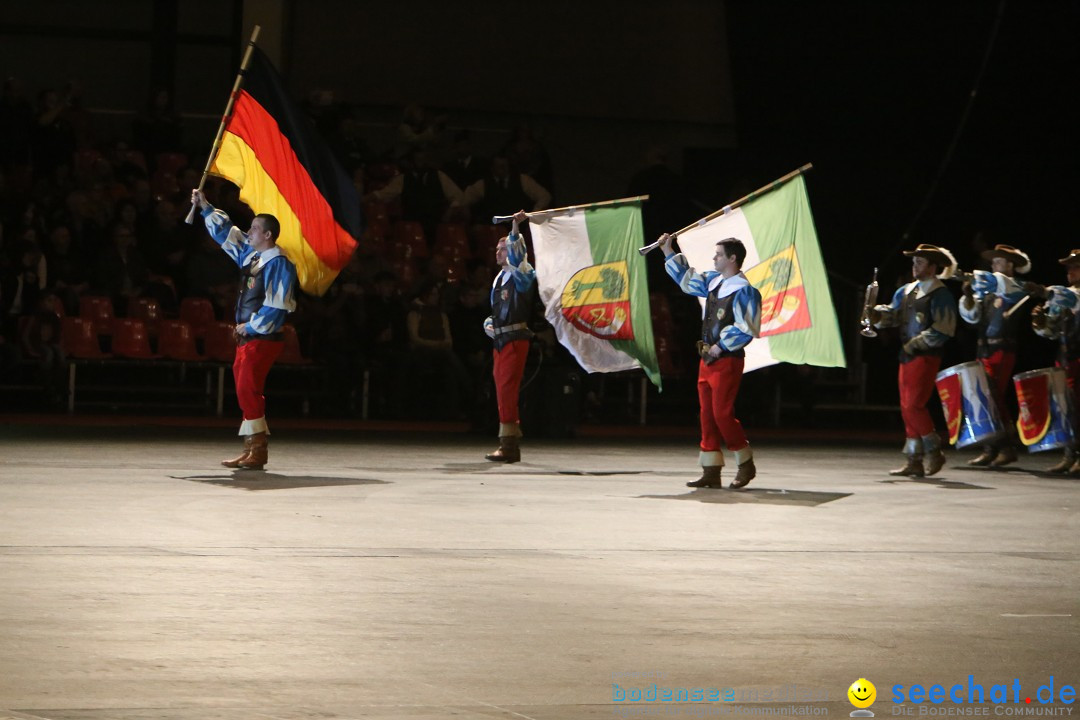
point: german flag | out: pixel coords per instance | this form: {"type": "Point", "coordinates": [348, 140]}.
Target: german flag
{"type": "Point", "coordinates": [272, 152]}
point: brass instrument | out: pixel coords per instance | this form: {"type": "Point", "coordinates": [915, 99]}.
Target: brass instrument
{"type": "Point", "coordinates": [868, 307]}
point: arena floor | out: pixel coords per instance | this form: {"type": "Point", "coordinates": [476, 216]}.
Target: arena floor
{"type": "Point", "coordinates": [399, 576]}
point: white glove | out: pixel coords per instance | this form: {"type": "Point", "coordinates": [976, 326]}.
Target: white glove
{"type": "Point", "coordinates": [489, 327]}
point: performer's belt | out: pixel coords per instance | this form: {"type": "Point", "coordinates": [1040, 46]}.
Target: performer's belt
{"type": "Point", "coordinates": [273, 337]}
{"type": "Point", "coordinates": [511, 328]}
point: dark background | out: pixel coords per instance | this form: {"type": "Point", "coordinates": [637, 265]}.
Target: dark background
{"type": "Point", "coordinates": [877, 95]}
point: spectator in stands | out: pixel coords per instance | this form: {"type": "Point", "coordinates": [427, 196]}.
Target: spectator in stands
{"type": "Point", "coordinates": [465, 167]}
{"type": "Point", "coordinates": [385, 340]}
{"type": "Point", "coordinates": [158, 129]}
{"type": "Point", "coordinates": [431, 353]}
{"type": "Point", "coordinates": [427, 195]}
{"type": "Point", "coordinates": [340, 333]}
{"type": "Point", "coordinates": [348, 144]}
{"type": "Point", "coordinates": [503, 188]}
{"type": "Point", "coordinates": [471, 343]}
{"type": "Point", "coordinates": [529, 157]}
{"type": "Point", "coordinates": [419, 130]}
{"type": "Point", "coordinates": [53, 139]}
{"type": "Point", "coordinates": [68, 277]}
{"type": "Point", "coordinates": [121, 271]}
{"type": "Point", "coordinates": [209, 274]}
{"type": "Point", "coordinates": [41, 342]}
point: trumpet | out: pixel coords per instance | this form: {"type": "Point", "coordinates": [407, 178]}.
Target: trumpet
{"type": "Point", "coordinates": [868, 308]}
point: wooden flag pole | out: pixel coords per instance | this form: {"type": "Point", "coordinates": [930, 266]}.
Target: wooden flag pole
{"type": "Point", "coordinates": [569, 208]}
{"type": "Point", "coordinates": [728, 208]}
{"type": "Point", "coordinates": [225, 118]}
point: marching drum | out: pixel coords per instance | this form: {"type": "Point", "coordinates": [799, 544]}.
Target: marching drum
{"type": "Point", "coordinates": [970, 411]}
{"type": "Point", "coordinates": [1045, 411]}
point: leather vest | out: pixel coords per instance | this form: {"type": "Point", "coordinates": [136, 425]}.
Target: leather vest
{"type": "Point", "coordinates": [996, 332]}
{"type": "Point", "coordinates": [510, 307]}
{"type": "Point", "coordinates": [252, 297]}
{"type": "Point", "coordinates": [719, 314]}
{"type": "Point", "coordinates": [422, 196]}
{"type": "Point", "coordinates": [917, 317]}
{"type": "Point", "coordinates": [502, 201]}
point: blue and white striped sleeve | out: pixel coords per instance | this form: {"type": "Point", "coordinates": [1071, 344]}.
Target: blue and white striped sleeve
{"type": "Point", "coordinates": [970, 315]}
{"type": "Point", "coordinates": [279, 278]}
{"type": "Point", "coordinates": [231, 239]}
{"type": "Point", "coordinates": [890, 314]}
{"type": "Point", "coordinates": [523, 274]}
{"type": "Point", "coordinates": [747, 325]}
{"type": "Point", "coordinates": [689, 280]}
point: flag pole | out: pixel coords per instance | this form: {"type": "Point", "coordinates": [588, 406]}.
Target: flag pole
{"type": "Point", "coordinates": [570, 208]}
{"type": "Point", "coordinates": [728, 208]}
{"type": "Point", "coordinates": [225, 118]}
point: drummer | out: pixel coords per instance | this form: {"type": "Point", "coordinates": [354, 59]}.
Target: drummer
{"type": "Point", "coordinates": [987, 301]}
{"type": "Point", "coordinates": [1059, 319]}
{"type": "Point", "coordinates": [925, 313]}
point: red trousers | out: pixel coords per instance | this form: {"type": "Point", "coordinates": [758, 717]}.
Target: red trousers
{"type": "Point", "coordinates": [916, 381]}
{"type": "Point", "coordinates": [250, 368]}
{"type": "Point", "coordinates": [717, 386]}
{"type": "Point", "coordinates": [509, 367]}
{"type": "Point", "coordinates": [1072, 377]}
{"type": "Point", "coordinates": [999, 370]}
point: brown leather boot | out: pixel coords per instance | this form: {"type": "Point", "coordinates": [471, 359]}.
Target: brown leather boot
{"type": "Point", "coordinates": [914, 467]}
{"type": "Point", "coordinates": [235, 462]}
{"type": "Point", "coordinates": [934, 457]}
{"type": "Point", "coordinates": [509, 450]}
{"type": "Point", "coordinates": [710, 478]}
{"type": "Point", "coordinates": [934, 461]}
{"type": "Point", "coordinates": [1004, 457]}
{"type": "Point", "coordinates": [746, 472]}
{"type": "Point", "coordinates": [1066, 463]}
{"type": "Point", "coordinates": [988, 454]}
{"type": "Point", "coordinates": [258, 456]}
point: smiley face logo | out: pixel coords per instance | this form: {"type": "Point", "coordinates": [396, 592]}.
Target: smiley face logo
{"type": "Point", "coordinates": [862, 693]}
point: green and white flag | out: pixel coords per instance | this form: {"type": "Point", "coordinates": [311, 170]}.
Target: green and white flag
{"type": "Point", "coordinates": [593, 285]}
{"type": "Point", "coordinates": [783, 261]}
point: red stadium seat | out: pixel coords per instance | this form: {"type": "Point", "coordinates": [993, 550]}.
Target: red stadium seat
{"type": "Point", "coordinates": [130, 340]}
{"type": "Point", "coordinates": [290, 354]}
{"type": "Point", "coordinates": [148, 310]}
{"type": "Point", "coordinates": [80, 339]}
{"type": "Point", "coordinates": [98, 311]}
{"type": "Point", "coordinates": [485, 238]}
{"type": "Point", "coordinates": [409, 239]}
{"type": "Point", "coordinates": [199, 313]}
{"type": "Point", "coordinates": [220, 342]}
{"type": "Point", "coordinates": [453, 239]}
{"type": "Point", "coordinates": [176, 341]}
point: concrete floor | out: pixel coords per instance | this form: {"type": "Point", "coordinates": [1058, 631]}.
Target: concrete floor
{"type": "Point", "coordinates": [391, 577]}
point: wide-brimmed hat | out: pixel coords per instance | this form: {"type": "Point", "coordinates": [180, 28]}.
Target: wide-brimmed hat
{"type": "Point", "coordinates": [1021, 262]}
{"type": "Point", "coordinates": [939, 256]}
{"type": "Point", "coordinates": [1072, 259]}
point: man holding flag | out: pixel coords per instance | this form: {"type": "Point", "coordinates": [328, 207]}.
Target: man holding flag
{"type": "Point", "coordinates": [732, 319]}
{"type": "Point", "coordinates": [267, 296]}
{"type": "Point", "coordinates": [512, 295]}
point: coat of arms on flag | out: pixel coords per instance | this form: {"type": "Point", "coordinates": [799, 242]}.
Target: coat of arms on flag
{"type": "Point", "coordinates": [784, 306]}
{"type": "Point", "coordinates": [593, 286]}
{"type": "Point", "coordinates": [784, 262]}
{"type": "Point", "coordinates": [596, 300]}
